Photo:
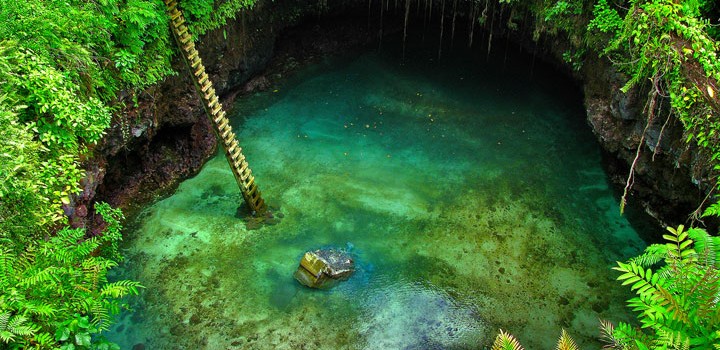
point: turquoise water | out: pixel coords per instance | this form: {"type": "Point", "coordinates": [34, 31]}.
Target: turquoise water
{"type": "Point", "coordinates": [471, 197]}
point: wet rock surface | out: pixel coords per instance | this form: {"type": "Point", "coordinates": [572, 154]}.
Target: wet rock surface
{"type": "Point", "coordinates": [324, 268]}
{"type": "Point", "coordinates": [670, 179]}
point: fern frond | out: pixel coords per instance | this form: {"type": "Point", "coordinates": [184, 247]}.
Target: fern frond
{"type": "Point", "coordinates": [506, 341]}
{"type": "Point", "coordinates": [705, 246]}
{"type": "Point", "coordinates": [17, 325]}
{"type": "Point", "coordinates": [707, 293]}
{"type": "Point", "coordinates": [4, 318]}
{"type": "Point", "coordinates": [44, 340]}
{"type": "Point", "coordinates": [120, 288]}
{"type": "Point", "coordinates": [644, 282]}
{"type": "Point", "coordinates": [653, 254]}
{"type": "Point", "coordinates": [7, 271]}
{"type": "Point", "coordinates": [673, 339]}
{"type": "Point", "coordinates": [44, 276]}
{"type": "Point", "coordinates": [672, 303]}
{"type": "Point", "coordinates": [627, 335]}
{"type": "Point", "coordinates": [13, 326]}
{"type": "Point", "coordinates": [39, 309]}
{"type": "Point", "coordinates": [678, 252]}
{"type": "Point", "coordinates": [607, 336]}
{"type": "Point", "coordinates": [6, 336]}
{"type": "Point", "coordinates": [566, 342]}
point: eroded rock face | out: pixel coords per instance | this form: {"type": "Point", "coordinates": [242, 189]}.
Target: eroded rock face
{"type": "Point", "coordinates": [670, 179]}
{"type": "Point", "coordinates": [166, 137]}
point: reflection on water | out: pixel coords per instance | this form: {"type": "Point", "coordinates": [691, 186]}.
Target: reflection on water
{"type": "Point", "coordinates": [471, 199]}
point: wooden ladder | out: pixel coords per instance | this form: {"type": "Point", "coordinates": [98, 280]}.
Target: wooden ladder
{"type": "Point", "coordinates": [213, 108]}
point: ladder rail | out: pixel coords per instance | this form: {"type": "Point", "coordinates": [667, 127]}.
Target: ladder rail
{"type": "Point", "coordinates": [215, 111]}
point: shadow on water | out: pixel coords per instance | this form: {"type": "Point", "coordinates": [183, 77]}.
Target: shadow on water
{"type": "Point", "coordinates": [471, 198]}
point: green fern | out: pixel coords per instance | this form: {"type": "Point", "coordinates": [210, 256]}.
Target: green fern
{"type": "Point", "coordinates": [566, 342]}
{"type": "Point", "coordinates": [506, 341]}
{"type": "Point", "coordinates": [677, 302]}
{"type": "Point", "coordinates": [15, 326]}
{"type": "Point", "coordinates": [60, 285]}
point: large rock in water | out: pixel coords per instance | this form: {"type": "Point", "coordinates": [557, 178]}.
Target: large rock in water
{"type": "Point", "coordinates": [324, 268]}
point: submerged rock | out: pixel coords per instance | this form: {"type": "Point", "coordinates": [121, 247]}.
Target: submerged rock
{"type": "Point", "coordinates": [324, 268]}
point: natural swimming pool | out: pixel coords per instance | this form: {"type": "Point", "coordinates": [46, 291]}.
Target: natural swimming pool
{"type": "Point", "coordinates": [472, 198]}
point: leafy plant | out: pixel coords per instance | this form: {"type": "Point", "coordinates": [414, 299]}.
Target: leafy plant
{"type": "Point", "coordinates": [678, 301]}
{"type": "Point", "coordinates": [666, 46]}
{"type": "Point", "coordinates": [56, 291]}
{"type": "Point", "coordinates": [506, 341]}
{"type": "Point", "coordinates": [206, 15]}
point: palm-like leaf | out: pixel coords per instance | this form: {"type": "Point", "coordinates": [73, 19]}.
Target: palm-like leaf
{"type": "Point", "coordinates": [566, 342]}
{"type": "Point", "coordinates": [506, 341]}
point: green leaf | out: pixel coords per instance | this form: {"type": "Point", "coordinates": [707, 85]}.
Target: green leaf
{"type": "Point", "coordinates": [62, 334]}
{"type": "Point", "coordinates": [82, 339]}
{"type": "Point", "coordinates": [83, 322]}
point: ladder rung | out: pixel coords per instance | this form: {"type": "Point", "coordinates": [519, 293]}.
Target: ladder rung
{"type": "Point", "coordinates": [251, 189]}
{"type": "Point", "coordinates": [236, 152]}
{"type": "Point", "coordinates": [179, 21]}
{"type": "Point", "coordinates": [244, 166]}
{"type": "Point", "coordinates": [225, 134]}
{"type": "Point", "coordinates": [203, 79]}
{"type": "Point", "coordinates": [175, 15]}
{"type": "Point", "coordinates": [188, 45]}
{"type": "Point", "coordinates": [222, 124]}
{"type": "Point", "coordinates": [232, 147]}
{"type": "Point", "coordinates": [210, 93]}
{"type": "Point", "coordinates": [238, 156]}
{"type": "Point", "coordinates": [195, 63]}
{"type": "Point", "coordinates": [181, 30]}
{"type": "Point", "coordinates": [213, 101]}
{"type": "Point", "coordinates": [206, 87]}
{"type": "Point", "coordinates": [216, 109]}
{"type": "Point", "coordinates": [200, 71]}
{"type": "Point", "coordinates": [193, 54]}
{"type": "Point", "coordinates": [185, 39]}
{"type": "Point", "coordinates": [220, 116]}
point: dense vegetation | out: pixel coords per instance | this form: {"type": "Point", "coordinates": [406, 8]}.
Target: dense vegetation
{"type": "Point", "coordinates": [64, 64]}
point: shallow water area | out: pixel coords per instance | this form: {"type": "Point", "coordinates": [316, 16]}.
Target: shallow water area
{"type": "Point", "coordinates": [472, 199]}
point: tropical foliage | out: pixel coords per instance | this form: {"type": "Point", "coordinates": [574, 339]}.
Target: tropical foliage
{"type": "Point", "coordinates": [63, 66]}
{"type": "Point", "coordinates": [667, 46]}
{"type": "Point", "coordinates": [678, 290]}
{"type": "Point", "coordinates": [506, 341]}
{"type": "Point", "coordinates": [56, 291]}
{"type": "Point", "coordinates": [206, 15]}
